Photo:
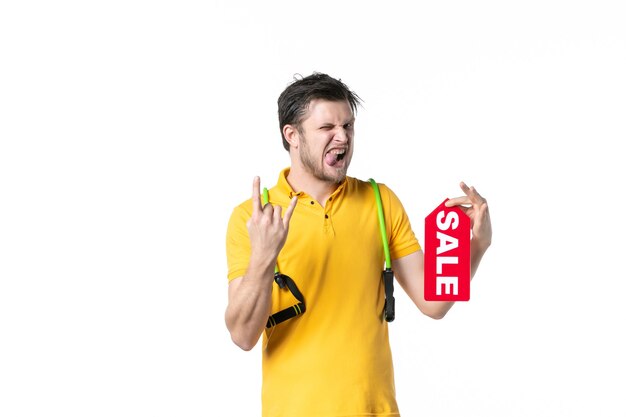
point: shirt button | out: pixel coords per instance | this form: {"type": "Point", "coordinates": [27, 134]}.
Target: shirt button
{"type": "Point", "coordinates": [326, 215]}
{"type": "Point", "coordinates": [312, 202]}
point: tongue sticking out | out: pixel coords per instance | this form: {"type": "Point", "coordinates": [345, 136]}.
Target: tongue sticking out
{"type": "Point", "coordinates": [331, 158]}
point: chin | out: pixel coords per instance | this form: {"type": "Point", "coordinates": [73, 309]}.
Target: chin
{"type": "Point", "coordinates": [338, 180]}
{"type": "Point", "coordinates": [339, 176]}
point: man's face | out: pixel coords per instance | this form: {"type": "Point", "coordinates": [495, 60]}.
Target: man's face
{"type": "Point", "coordinates": [326, 140]}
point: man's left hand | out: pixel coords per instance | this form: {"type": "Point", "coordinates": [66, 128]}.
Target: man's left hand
{"type": "Point", "coordinates": [475, 206]}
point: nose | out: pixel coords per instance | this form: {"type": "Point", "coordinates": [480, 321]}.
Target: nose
{"type": "Point", "coordinates": [341, 135]}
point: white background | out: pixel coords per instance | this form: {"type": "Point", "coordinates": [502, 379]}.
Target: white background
{"type": "Point", "coordinates": [129, 131]}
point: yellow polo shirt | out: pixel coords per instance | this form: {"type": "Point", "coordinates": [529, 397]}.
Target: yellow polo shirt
{"type": "Point", "coordinates": [334, 360]}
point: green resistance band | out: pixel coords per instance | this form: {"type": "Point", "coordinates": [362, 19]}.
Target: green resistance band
{"type": "Point", "coordinates": [389, 311]}
{"type": "Point", "coordinates": [284, 281]}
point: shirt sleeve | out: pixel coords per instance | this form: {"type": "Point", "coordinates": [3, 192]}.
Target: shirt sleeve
{"type": "Point", "coordinates": [238, 242]}
{"type": "Point", "coordinates": [402, 240]}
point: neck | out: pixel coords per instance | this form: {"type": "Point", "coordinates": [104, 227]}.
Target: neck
{"type": "Point", "coordinates": [301, 180]}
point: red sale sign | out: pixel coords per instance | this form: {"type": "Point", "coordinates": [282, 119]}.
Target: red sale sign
{"type": "Point", "coordinates": [447, 255]}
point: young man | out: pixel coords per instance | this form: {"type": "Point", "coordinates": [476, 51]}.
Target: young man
{"type": "Point", "coordinates": [331, 357]}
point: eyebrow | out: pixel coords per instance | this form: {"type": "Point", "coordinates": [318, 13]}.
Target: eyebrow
{"type": "Point", "coordinates": [351, 120]}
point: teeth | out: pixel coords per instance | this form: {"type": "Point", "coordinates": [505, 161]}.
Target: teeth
{"type": "Point", "coordinates": [337, 151]}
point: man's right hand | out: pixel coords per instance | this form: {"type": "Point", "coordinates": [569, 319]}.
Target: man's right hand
{"type": "Point", "coordinates": [250, 296]}
{"type": "Point", "coordinates": [267, 229]}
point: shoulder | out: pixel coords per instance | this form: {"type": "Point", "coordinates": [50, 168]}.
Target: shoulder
{"type": "Point", "coordinates": [245, 207]}
{"type": "Point", "coordinates": [358, 191]}
{"type": "Point", "coordinates": [362, 187]}
{"type": "Point", "coordinates": [239, 216]}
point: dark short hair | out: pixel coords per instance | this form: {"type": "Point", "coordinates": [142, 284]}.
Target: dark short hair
{"type": "Point", "coordinates": [293, 103]}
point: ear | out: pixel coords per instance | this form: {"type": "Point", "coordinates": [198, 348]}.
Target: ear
{"type": "Point", "coordinates": [291, 135]}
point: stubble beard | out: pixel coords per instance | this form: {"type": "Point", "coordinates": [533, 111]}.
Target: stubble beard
{"type": "Point", "coordinates": [317, 170]}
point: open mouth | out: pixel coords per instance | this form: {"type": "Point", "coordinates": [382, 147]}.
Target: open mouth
{"type": "Point", "coordinates": [334, 156]}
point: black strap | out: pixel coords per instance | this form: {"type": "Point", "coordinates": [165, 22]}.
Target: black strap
{"type": "Point", "coordinates": [390, 302]}
{"type": "Point", "coordinates": [284, 280]}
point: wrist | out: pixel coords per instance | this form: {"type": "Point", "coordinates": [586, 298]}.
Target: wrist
{"type": "Point", "coordinates": [479, 247]}
{"type": "Point", "coordinates": [262, 261]}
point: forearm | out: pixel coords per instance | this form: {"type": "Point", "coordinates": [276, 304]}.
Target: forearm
{"type": "Point", "coordinates": [477, 250]}
{"type": "Point", "coordinates": [438, 309]}
{"type": "Point", "coordinates": [409, 271]}
{"type": "Point", "coordinates": [249, 304]}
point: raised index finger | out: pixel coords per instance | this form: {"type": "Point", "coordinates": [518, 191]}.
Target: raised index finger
{"type": "Point", "coordinates": [256, 195]}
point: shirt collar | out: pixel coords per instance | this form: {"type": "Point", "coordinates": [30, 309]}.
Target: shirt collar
{"type": "Point", "coordinates": [285, 188]}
